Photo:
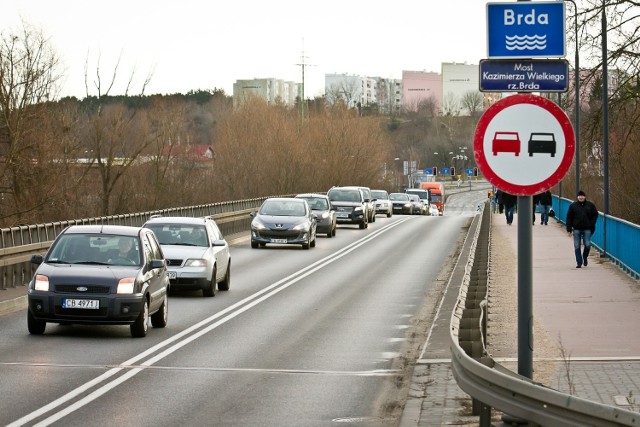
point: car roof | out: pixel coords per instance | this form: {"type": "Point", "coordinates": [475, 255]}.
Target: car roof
{"type": "Point", "coordinates": [285, 199]}
{"type": "Point", "coordinates": [347, 187]}
{"type": "Point", "coordinates": [299, 196]}
{"type": "Point", "coordinates": [178, 220]}
{"type": "Point", "coordinates": [123, 230]}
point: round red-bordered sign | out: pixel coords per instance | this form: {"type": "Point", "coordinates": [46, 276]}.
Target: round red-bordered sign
{"type": "Point", "coordinates": [524, 144]}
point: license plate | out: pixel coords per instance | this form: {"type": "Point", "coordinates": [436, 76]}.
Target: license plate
{"type": "Point", "coordinates": [172, 275]}
{"type": "Point", "coordinates": [278, 240]}
{"type": "Point", "coordinates": [91, 304]}
{"type": "Point", "coordinates": [342, 215]}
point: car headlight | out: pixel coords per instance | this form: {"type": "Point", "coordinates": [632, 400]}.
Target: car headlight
{"type": "Point", "coordinates": [41, 283]}
{"type": "Point", "coordinates": [126, 285]}
{"type": "Point", "coordinates": [257, 225]}
{"type": "Point", "coordinates": [196, 262]}
{"type": "Point", "coordinates": [325, 215]}
{"type": "Point", "coordinates": [406, 205]}
{"type": "Point", "coordinates": [300, 227]}
{"type": "Point", "coordinates": [358, 209]}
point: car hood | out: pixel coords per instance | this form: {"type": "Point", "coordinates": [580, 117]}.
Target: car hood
{"type": "Point", "coordinates": [184, 252]}
{"type": "Point", "coordinates": [272, 221]}
{"type": "Point", "coordinates": [72, 274]}
{"type": "Point", "coordinates": [350, 204]}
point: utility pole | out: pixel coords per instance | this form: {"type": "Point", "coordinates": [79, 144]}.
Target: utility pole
{"type": "Point", "coordinates": [302, 66]}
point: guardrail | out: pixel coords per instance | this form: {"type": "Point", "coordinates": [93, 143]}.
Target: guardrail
{"type": "Point", "coordinates": [494, 386]}
{"type": "Point", "coordinates": [18, 244]}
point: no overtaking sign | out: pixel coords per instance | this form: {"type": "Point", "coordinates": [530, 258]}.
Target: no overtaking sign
{"type": "Point", "coordinates": [524, 144]}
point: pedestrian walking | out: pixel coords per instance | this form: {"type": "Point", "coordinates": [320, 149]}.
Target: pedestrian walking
{"type": "Point", "coordinates": [581, 223]}
{"type": "Point", "coordinates": [509, 201]}
{"type": "Point", "coordinates": [499, 194]}
{"type": "Point", "coordinates": [535, 202]}
{"type": "Point", "coordinates": [545, 205]}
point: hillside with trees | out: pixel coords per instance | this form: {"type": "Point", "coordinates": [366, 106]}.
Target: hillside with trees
{"type": "Point", "coordinates": [105, 154]}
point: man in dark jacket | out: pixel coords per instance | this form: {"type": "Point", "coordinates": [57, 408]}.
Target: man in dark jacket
{"type": "Point", "coordinates": [545, 204]}
{"type": "Point", "coordinates": [581, 221]}
{"type": "Point", "coordinates": [509, 201]}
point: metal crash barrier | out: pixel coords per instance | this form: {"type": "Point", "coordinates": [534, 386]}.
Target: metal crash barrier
{"type": "Point", "coordinates": [18, 244]}
{"type": "Point", "coordinates": [492, 385]}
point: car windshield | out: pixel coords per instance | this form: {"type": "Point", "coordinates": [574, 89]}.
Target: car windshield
{"type": "Point", "coordinates": [100, 249]}
{"type": "Point", "coordinates": [180, 234]}
{"type": "Point", "coordinates": [344, 195]}
{"type": "Point", "coordinates": [317, 203]}
{"type": "Point", "coordinates": [380, 195]}
{"type": "Point", "coordinates": [422, 194]}
{"type": "Point", "coordinates": [435, 198]}
{"type": "Point", "coordinates": [283, 208]}
{"type": "Point", "coordinates": [398, 196]}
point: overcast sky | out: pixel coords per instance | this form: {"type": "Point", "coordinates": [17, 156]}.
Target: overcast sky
{"type": "Point", "coordinates": [206, 44]}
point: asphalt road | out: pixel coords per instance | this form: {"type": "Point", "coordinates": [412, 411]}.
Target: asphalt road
{"type": "Point", "coordinates": [303, 338]}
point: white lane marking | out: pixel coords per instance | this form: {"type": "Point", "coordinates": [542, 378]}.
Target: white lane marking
{"type": "Point", "coordinates": [274, 288]}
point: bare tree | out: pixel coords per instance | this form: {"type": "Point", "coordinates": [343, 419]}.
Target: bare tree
{"type": "Point", "coordinates": [112, 138]}
{"type": "Point", "coordinates": [472, 102]}
{"type": "Point", "coordinates": [29, 76]}
{"type": "Point", "coordinates": [450, 105]}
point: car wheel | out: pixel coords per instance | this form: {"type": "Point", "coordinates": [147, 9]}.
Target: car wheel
{"type": "Point", "coordinates": [313, 242]}
{"type": "Point", "coordinates": [35, 326]}
{"type": "Point", "coordinates": [140, 327]}
{"type": "Point", "coordinates": [333, 232]}
{"type": "Point", "coordinates": [210, 291]}
{"type": "Point", "coordinates": [254, 244]}
{"type": "Point", "coordinates": [330, 233]}
{"type": "Point", "coordinates": [389, 214]}
{"type": "Point", "coordinates": [307, 244]}
{"type": "Point", "coordinates": [373, 217]}
{"type": "Point", "coordinates": [160, 317]}
{"type": "Point", "coordinates": [226, 282]}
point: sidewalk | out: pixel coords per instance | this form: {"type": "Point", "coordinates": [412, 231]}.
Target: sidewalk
{"type": "Point", "coordinates": [585, 337]}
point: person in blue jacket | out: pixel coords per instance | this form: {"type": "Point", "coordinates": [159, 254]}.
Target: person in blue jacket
{"type": "Point", "coordinates": [581, 222]}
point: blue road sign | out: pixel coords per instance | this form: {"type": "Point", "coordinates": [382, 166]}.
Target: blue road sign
{"type": "Point", "coordinates": [445, 171]}
{"type": "Point", "coordinates": [428, 171]}
{"type": "Point", "coordinates": [503, 75]}
{"type": "Point", "coordinates": [469, 171]}
{"type": "Point", "coordinates": [526, 29]}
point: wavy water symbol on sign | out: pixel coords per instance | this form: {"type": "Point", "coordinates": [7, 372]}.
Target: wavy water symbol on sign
{"type": "Point", "coordinates": [534, 42]}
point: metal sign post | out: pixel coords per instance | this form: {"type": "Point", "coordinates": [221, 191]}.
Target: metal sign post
{"type": "Point", "coordinates": [524, 145]}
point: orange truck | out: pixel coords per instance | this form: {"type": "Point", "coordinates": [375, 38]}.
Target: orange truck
{"type": "Point", "coordinates": [437, 194]}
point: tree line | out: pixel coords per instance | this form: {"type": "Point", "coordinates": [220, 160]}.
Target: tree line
{"type": "Point", "coordinates": [105, 154]}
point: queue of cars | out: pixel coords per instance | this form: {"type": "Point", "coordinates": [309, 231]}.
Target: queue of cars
{"type": "Point", "coordinates": [121, 275]}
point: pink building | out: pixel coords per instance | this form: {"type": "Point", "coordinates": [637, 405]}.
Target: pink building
{"type": "Point", "coordinates": [421, 86]}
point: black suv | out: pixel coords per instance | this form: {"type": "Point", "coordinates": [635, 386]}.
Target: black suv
{"type": "Point", "coordinates": [350, 206]}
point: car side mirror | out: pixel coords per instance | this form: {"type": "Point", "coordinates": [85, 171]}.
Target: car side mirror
{"type": "Point", "coordinates": [36, 259]}
{"type": "Point", "coordinates": [218, 243]}
{"type": "Point", "coordinates": [158, 263]}
{"type": "Point", "coordinates": [252, 214]}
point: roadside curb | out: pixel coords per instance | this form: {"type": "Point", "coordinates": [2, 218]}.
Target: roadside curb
{"type": "Point", "coordinates": [13, 305]}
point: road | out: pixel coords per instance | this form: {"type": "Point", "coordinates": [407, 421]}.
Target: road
{"type": "Point", "coordinates": [303, 338]}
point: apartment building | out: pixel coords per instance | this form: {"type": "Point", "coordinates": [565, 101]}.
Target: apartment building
{"type": "Point", "coordinates": [421, 89]}
{"type": "Point", "coordinates": [270, 90]}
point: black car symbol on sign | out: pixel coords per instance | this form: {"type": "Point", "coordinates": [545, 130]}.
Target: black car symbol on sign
{"type": "Point", "coordinates": [542, 142]}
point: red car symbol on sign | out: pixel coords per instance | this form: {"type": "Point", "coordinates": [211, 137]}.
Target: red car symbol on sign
{"type": "Point", "coordinates": [506, 142]}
